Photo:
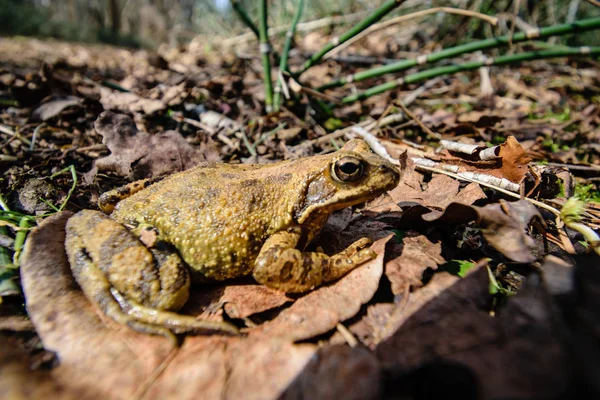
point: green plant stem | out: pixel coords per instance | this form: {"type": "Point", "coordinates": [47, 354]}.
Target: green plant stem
{"type": "Point", "coordinates": [265, 50]}
{"type": "Point", "coordinates": [241, 12]}
{"type": "Point", "coordinates": [555, 30]}
{"type": "Point", "coordinates": [25, 224]}
{"type": "Point", "coordinates": [377, 15]}
{"type": "Point", "coordinates": [283, 64]}
{"type": "Point", "coordinates": [451, 69]}
{"type": "Point", "coordinates": [4, 254]}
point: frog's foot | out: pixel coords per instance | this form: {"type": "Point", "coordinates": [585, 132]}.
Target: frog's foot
{"type": "Point", "coordinates": [176, 323]}
{"type": "Point", "coordinates": [281, 266]}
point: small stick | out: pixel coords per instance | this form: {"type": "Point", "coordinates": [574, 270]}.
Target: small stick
{"type": "Point", "coordinates": [426, 129]}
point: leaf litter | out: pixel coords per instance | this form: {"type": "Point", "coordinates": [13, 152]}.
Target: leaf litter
{"type": "Point", "coordinates": [409, 319]}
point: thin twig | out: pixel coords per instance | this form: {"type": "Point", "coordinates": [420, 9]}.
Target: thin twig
{"type": "Point", "coordinates": [506, 192]}
{"type": "Point", "coordinates": [425, 128]}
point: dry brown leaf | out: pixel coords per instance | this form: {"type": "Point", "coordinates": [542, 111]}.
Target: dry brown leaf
{"type": "Point", "coordinates": [502, 224]}
{"type": "Point", "coordinates": [369, 330]}
{"type": "Point", "coordinates": [129, 102]}
{"type": "Point", "coordinates": [320, 310]}
{"type": "Point", "coordinates": [18, 381]}
{"type": "Point", "coordinates": [136, 154]}
{"type": "Point", "coordinates": [54, 107]}
{"type": "Point", "coordinates": [263, 369]}
{"type": "Point", "coordinates": [440, 192]}
{"type": "Point", "coordinates": [338, 372]}
{"type": "Point", "coordinates": [514, 355]}
{"type": "Point", "coordinates": [418, 254]}
{"type": "Point", "coordinates": [504, 227]}
{"type": "Point", "coordinates": [514, 160]}
{"type": "Point", "coordinates": [418, 299]}
{"type": "Point", "coordinates": [242, 301]}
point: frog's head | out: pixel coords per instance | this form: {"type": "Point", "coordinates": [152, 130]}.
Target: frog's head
{"type": "Point", "coordinates": [349, 176]}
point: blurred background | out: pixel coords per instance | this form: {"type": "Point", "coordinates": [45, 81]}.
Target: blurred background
{"type": "Point", "coordinates": [150, 23]}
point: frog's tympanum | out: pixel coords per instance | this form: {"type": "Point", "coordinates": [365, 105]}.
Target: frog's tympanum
{"type": "Point", "coordinates": [215, 222]}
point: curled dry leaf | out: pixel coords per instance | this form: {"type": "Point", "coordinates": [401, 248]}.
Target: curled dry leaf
{"type": "Point", "coordinates": [511, 162]}
{"type": "Point", "coordinates": [514, 160]}
{"type": "Point", "coordinates": [238, 300]}
{"type": "Point", "coordinates": [136, 154]}
{"type": "Point", "coordinates": [320, 310]}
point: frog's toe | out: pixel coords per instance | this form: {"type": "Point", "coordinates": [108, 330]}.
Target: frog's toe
{"type": "Point", "coordinates": [174, 322]}
{"type": "Point", "coordinates": [361, 244]}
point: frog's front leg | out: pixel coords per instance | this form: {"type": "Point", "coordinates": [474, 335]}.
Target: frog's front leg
{"type": "Point", "coordinates": [281, 266]}
{"type": "Point", "coordinates": [119, 274]}
{"type": "Point", "coordinates": [109, 200]}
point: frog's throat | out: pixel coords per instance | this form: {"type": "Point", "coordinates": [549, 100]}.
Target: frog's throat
{"type": "Point", "coordinates": [334, 206]}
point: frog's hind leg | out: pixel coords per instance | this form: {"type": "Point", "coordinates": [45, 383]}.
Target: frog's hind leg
{"type": "Point", "coordinates": [117, 272]}
{"type": "Point", "coordinates": [281, 266]}
{"type": "Point", "coordinates": [98, 290]}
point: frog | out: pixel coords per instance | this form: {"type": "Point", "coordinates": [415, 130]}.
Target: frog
{"type": "Point", "coordinates": [137, 257]}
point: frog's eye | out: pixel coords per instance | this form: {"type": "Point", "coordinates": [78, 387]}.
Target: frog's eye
{"type": "Point", "coordinates": [347, 169]}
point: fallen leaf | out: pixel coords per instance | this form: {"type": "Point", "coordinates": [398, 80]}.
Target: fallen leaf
{"type": "Point", "coordinates": [503, 225]}
{"type": "Point", "coordinates": [440, 192]}
{"type": "Point", "coordinates": [371, 327]}
{"type": "Point", "coordinates": [417, 300]}
{"type": "Point", "coordinates": [337, 372]}
{"type": "Point", "coordinates": [136, 154]}
{"type": "Point", "coordinates": [54, 107]}
{"type": "Point", "coordinates": [418, 254]}
{"type": "Point", "coordinates": [262, 369]}
{"type": "Point", "coordinates": [129, 102]}
{"type": "Point", "coordinates": [320, 310]}
{"type": "Point", "coordinates": [455, 329]}
{"type": "Point", "coordinates": [514, 160]}
{"type": "Point", "coordinates": [241, 301]}
{"type": "Point", "coordinates": [18, 381]}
